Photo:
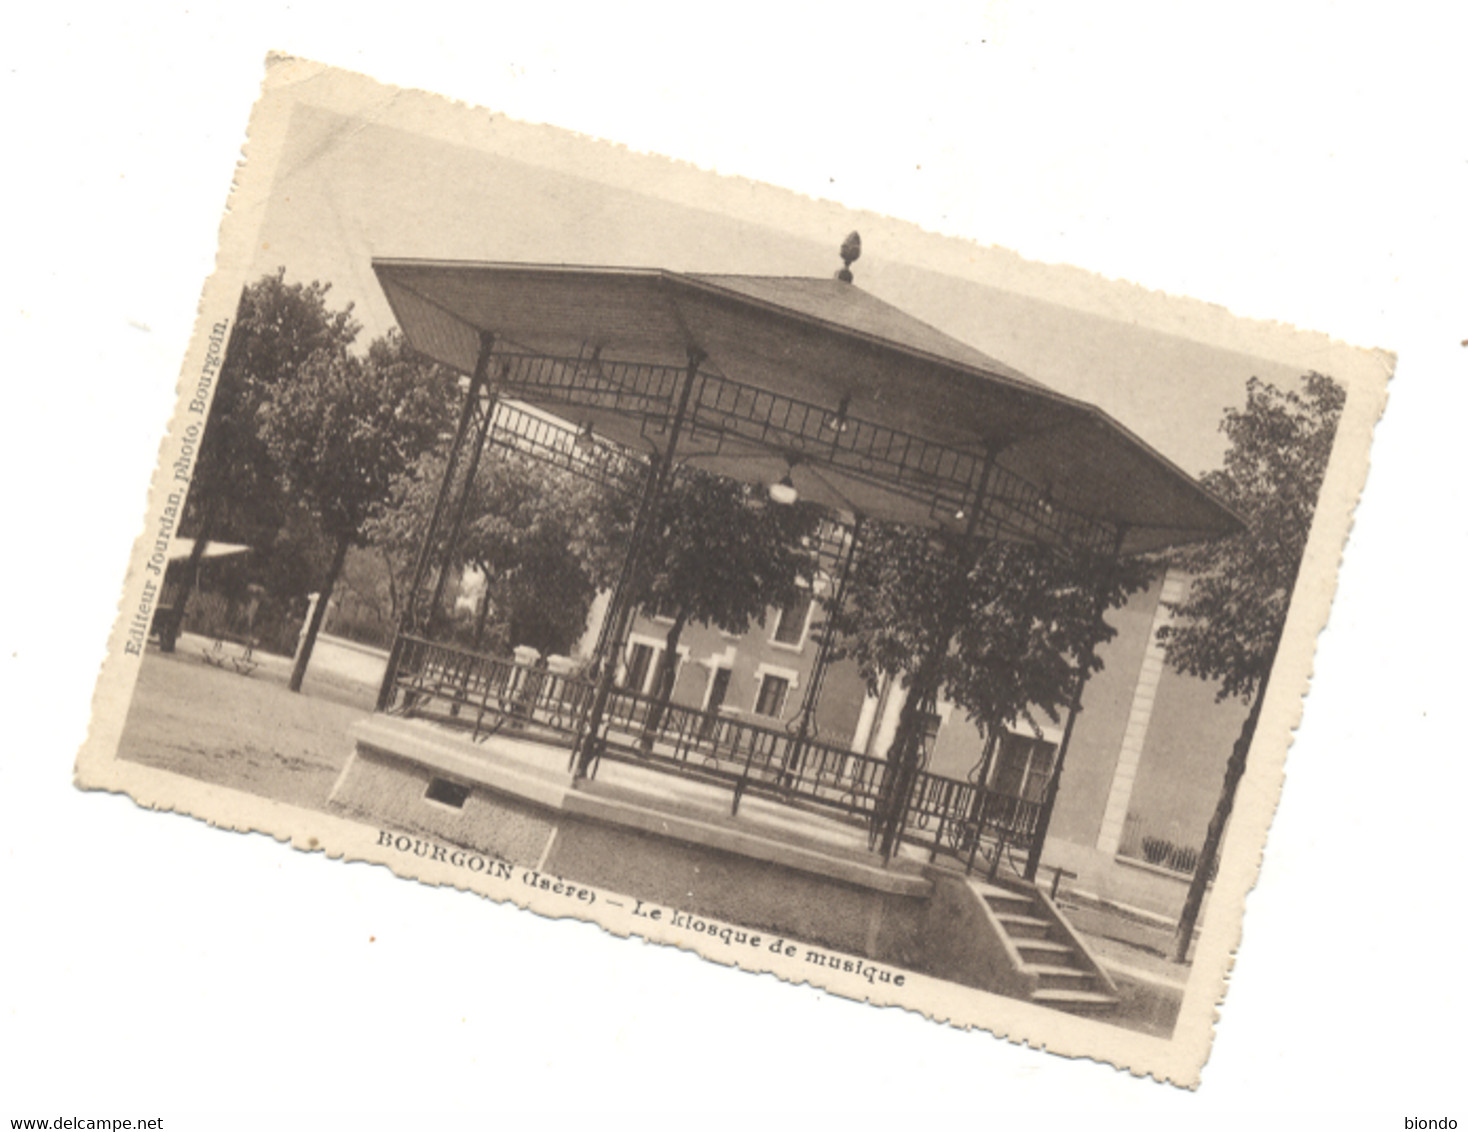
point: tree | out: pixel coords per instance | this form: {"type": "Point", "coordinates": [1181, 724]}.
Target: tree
{"type": "Point", "coordinates": [1228, 628]}
{"type": "Point", "coordinates": [999, 628]}
{"type": "Point", "coordinates": [523, 540]}
{"type": "Point", "coordinates": [235, 491]}
{"type": "Point", "coordinates": [235, 488]}
{"type": "Point", "coordinates": [524, 532]}
{"type": "Point", "coordinates": [398, 524]}
{"type": "Point", "coordinates": [718, 554]}
{"type": "Point", "coordinates": [341, 430]}
{"type": "Point", "coordinates": [545, 600]}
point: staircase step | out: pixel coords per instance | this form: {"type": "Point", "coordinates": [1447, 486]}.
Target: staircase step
{"type": "Point", "coordinates": [1023, 927]}
{"type": "Point", "coordinates": [1049, 951]}
{"type": "Point", "coordinates": [1011, 902]}
{"type": "Point", "coordinates": [997, 892]}
{"type": "Point", "coordinates": [1031, 960]}
{"type": "Point", "coordinates": [1079, 1000]}
{"type": "Point", "coordinates": [1062, 978]}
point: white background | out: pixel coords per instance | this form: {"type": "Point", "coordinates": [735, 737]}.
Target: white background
{"type": "Point", "coordinates": [1307, 166]}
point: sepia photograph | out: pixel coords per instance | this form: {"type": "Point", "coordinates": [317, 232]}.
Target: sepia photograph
{"type": "Point", "coordinates": [777, 567]}
{"type": "Point", "coordinates": [806, 605]}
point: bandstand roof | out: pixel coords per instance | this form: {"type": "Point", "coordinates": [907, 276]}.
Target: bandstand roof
{"type": "Point", "coordinates": [868, 409]}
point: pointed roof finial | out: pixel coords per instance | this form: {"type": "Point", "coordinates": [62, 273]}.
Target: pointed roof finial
{"type": "Point", "coordinates": [850, 253]}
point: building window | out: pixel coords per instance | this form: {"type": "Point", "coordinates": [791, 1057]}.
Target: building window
{"type": "Point", "coordinates": [772, 692]}
{"type": "Point", "coordinates": [1022, 767]}
{"type": "Point", "coordinates": [790, 628]}
{"type": "Point", "coordinates": [932, 722]}
{"type": "Point", "coordinates": [639, 667]}
{"type": "Point", "coordinates": [718, 689]}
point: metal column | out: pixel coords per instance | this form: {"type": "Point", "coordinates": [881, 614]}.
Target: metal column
{"type": "Point", "coordinates": [589, 735]}
{"type": "Point", "coordinates": [922, 695]}
{"type": "Point", "coordinates": [407, 618]}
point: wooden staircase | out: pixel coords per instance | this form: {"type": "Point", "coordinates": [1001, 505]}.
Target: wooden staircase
{"type": "Point", "coordinates": [1051, 961]}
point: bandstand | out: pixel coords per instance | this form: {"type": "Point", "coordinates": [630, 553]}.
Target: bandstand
{"type": "Point", "coordinates": [813, 389]}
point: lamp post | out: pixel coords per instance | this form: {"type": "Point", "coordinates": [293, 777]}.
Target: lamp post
{"type": "Point", "coordinates": [805, 719]}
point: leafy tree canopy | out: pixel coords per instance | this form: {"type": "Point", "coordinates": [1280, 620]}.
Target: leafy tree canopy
{"type": "Point", "coordinates": [525, 530]}
{"type": "Point", "coordinates": [1004, 630]}
{"type": "Point", "coordinates": [344, 427]}
{"type": "Point", "coordinates": [1228, 627]}
{"type": "Point", "coordinates": [718, 553]}
{"type": "Point", "coordinates": [340, 430]}
{"type": "Point", "coordinates": [278, 327]}
{"type": "Point", "coordinates": [525, 539]}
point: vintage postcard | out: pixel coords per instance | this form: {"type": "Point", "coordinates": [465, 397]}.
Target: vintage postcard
{"type": "Point", "coordinates": [733, 570]}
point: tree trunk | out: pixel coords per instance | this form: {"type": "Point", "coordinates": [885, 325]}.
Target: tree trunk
{"type": "Point", "coordinates": [662, 685]}
{"type": "Point", "coordinates": [1052, 788]}
{"type": "Point", "coordinates": [1233, 773]}
{"type": "Point", "coordinates": [318, 614]}
{"type": "Point", "coordinates": [191, 569]}
{"type": "Point", "coordinates": [986, 760]}
{"type": "Point", "coordinates": [393, 609]}
{"type": "Point", "coordinates": [902, 757]}
{"type": "Point", "coordinates": [980, 780]}
{"type": "Point", "coordinates": [483, 615]}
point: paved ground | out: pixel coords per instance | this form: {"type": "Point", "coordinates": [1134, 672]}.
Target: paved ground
{"type": "Point", "coordinates": [251, 733]}
{"type": "Point", "coordinates": [347, 660]}
{"type": "Point", "coordinates": [244, 732]}
{"type": "Point", "coordinates": [1143, 947]}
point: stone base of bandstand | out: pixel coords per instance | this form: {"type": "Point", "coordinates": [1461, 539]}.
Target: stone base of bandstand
{"type": "Point", "coordinates": [671, 841]}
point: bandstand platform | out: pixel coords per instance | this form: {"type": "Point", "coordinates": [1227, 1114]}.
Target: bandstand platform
{"type": "Point", "coordinates": [802, 389]}
{"type": "Point", "coordinates": [672, 841]}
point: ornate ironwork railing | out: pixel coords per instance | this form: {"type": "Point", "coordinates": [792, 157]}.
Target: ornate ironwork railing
{"type": "Point", "coordinates": [552, 442]}
{"type": "Point", "coordinates": [483, 694]}
{"type": "Point", "coordinates": [751, 758]}
{"type": "Point", "coordinates": [1139, 843]}
{"type": "Point", "coordinates": [938, 475]}
{"type": "Point", "coordinates": [972, 822]}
